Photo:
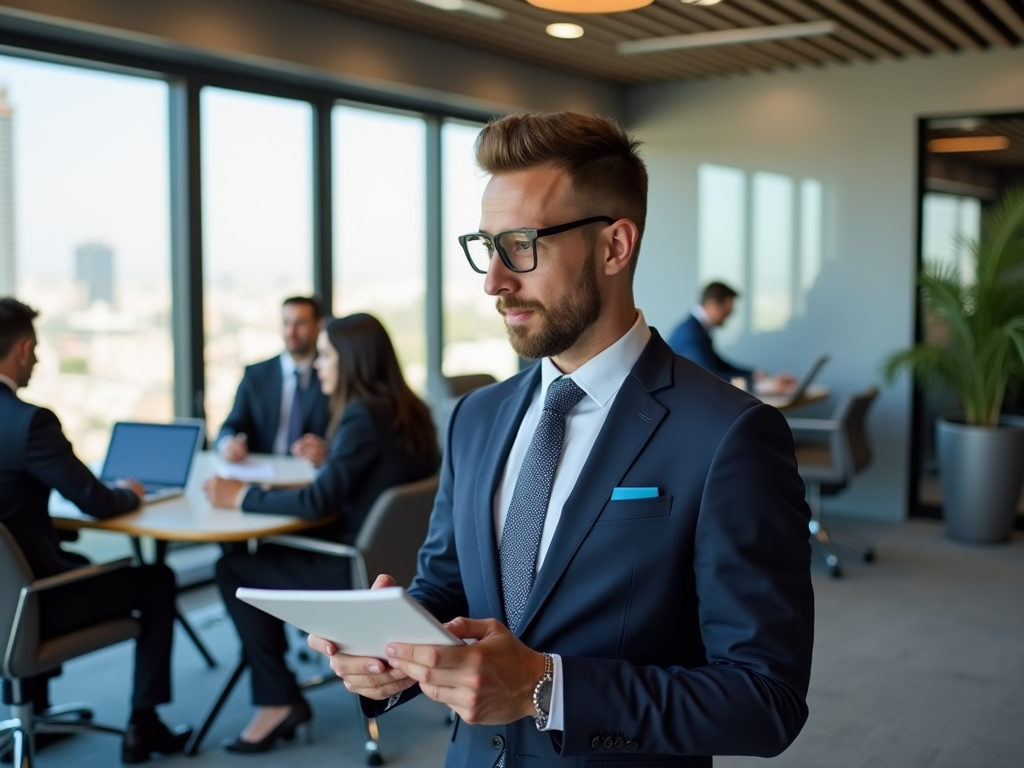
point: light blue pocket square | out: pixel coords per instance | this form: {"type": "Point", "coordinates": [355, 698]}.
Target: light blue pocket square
{"type": "Point", "coordinates": [622, 494]}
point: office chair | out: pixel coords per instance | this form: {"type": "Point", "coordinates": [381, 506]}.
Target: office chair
{"type": "Point", "coordinates": [389, 541]}
{"type": "Point", "coordinates": [829, 453]}
{"type": "Point", "coordinates": [460, 385]}
{"type": "Point", "coordinates": [26, 655]}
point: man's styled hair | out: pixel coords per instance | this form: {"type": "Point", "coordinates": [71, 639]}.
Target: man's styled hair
{"type": "Point", "coordinates": [306, 301]}
{"type": "Point", "coordinates": [718, 293]}
{"type": "Point", "coordinates": [15, 323]}
{"type": "Point", "coordinates": [601, 160]}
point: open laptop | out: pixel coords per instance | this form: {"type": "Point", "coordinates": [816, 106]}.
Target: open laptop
{"type": "Point", "coordinates": [157, 455]}
{"type": "Point", "coordinates": [805, 383]}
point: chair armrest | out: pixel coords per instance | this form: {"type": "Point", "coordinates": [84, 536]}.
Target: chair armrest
{"type": "Point", "coordinates": [814, 425]}
{"type": "Point", "coordinates": [313, 545]}
{"type": "Point", "coordinates": [79, 574]}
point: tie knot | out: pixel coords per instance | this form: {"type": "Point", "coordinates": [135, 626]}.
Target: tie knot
{"type": "Point", "coordinates": [563, 394]}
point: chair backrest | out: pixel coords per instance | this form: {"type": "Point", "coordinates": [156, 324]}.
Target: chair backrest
{"type": "Point", "coordinates": [393, 532]}
{"type": "Point", "coordinates": [853, 414]}
{"type": "Point", "coordinates": [14, 574]}
{"type": "Point", "coordinates": [460, 385]}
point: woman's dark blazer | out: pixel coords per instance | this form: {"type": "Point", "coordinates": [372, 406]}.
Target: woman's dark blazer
{"type": "Point", "coordinates": [365, 460]}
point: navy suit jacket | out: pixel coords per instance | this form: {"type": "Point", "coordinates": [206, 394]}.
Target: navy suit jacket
{"type": "Point", "coordinates": [257, 408]}
{"type": "Point", "coordinates": [35, 457]}
{"type": "Point", "coordinates": [365, 460]}
{"type": "Point", "coordinates": [690, 340]}
{"type": "Point", "coordinates": [684, 621]}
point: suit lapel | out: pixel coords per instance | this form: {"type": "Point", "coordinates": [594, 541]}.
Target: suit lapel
{"type": "Point", "coordinates": [503, 434]}
{"type": "Point", "coordinates": [273, 403]}
{"type": "Point", "coordinates": [633, 418]}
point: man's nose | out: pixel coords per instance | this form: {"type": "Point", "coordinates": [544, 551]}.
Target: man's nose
{"type": "Point", "coordinates": [499, 278]}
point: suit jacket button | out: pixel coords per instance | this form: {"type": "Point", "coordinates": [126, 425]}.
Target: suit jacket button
{"type": "Point", "coordinates": [631, 745]}
{"type": "Point", "coordinates": [609, 742]}
{"type": "Point", "coordinates": [497, 742]}
{"type": "Point", "coordinates": [619, 743]}
{"type": "Point", "coordinates": [596, 743]}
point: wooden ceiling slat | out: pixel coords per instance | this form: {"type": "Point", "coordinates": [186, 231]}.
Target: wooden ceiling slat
{"type": "Point", "coordinates": [977, 22]}
{"type": "Point", "coordinates": [924, 10]}
{"type": "Point", "coordinates": [907, 26]}
{"type": "Point", "coordinates": [851, 36]}
{"type": "Point", "coordinates": [827, 43]}
{"type": "Point", "coordinates": [843, 10]}
{"type": "Point", "coordinates": [1008, 16]}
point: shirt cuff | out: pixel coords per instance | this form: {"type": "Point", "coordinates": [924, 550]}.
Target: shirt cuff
{"type": "Point", "coordinates": [240, 498]}
{"type": "Point", "coordinates": [556, 715]}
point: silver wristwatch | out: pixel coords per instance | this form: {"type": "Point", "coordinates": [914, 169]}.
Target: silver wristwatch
{"type": "Point", "coordinates": [542, 693]}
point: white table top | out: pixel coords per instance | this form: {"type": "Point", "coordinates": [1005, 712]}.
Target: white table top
{"type": "Point", "coordinates": [191, 517]}
{"type": "Point", "coordinates": [814, 394]}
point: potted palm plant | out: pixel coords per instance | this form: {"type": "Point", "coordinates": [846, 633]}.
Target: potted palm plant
{"type": "Point", "coordinates": [981, 453]}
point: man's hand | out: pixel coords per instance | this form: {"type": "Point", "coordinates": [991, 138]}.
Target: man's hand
{"type": "Point", "coordinates": [312, 448]}
{"type": "Point", "coordinates": [132, 485]}
{"type": "Point", "coordinates": [367, 677]}
{"type": "Point", "coordinates": [234, 448]}
{"type": "Point", "coordinates": [226, 494]}
{"type": "Point", "coordinates": [490, 681]}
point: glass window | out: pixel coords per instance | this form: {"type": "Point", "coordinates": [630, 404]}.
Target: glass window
{"type": "Point", "coordinates": [380, 227]}
{"type": "Point", "coordinates": [257, 230]}
{"type": "Point", "coordinates": [474, 333]}
{"type": "Point", "coordinates": [84, 238]}
{"type": "Point", "coordinates": [772, 252]}
{"type": "Point", "coordinates": [949, 222]}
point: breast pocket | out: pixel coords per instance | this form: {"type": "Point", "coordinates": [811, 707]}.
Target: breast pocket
{"type": "Point", "coordinates": [636, 509]}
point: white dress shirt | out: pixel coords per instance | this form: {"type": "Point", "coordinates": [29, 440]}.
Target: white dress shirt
{"type": "Point", "coordinates": [600, 378]}
{"type": "Point", "coordinates": [703, 319]}
{"type": "Point", "coordinates": [9, 382]}
{"type": "Point", "coordinates": [288, 368]}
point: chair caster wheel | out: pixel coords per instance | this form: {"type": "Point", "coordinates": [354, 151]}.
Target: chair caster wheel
{"type": "Point", "coordinates": [869, 556]}
{"type": "Point", "coordinates": [374, 759]}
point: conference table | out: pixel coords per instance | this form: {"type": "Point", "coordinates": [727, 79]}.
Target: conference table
{"type": "Point", "coordinates": [814, 394]}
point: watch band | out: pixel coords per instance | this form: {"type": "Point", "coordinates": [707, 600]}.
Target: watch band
{"type": "Point", "coordinates": [542, 702]}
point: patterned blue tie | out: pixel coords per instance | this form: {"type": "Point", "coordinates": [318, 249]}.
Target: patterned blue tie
{"type": "Point", "coordinates": [520, 538]}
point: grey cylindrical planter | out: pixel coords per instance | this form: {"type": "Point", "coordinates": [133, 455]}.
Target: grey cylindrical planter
{"type": "Point", "coordinates": [982, 474]}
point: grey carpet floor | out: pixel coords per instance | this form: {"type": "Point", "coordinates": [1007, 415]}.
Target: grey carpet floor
{"type": "Point", "coordinates": [919, 663]}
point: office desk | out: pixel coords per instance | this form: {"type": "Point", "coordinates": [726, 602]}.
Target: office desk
{"type": "Point", "coordinates": [191, 517]}
{"type": "Point", "coordinates": [814, 394]}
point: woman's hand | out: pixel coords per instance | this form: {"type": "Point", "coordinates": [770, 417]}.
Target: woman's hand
{"type": "Point", "coordinates": [225, 494]}
{"type": "Point", "coordinates": [312, 448]}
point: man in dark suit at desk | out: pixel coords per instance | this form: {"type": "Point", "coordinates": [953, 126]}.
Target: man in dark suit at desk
{"type": "Point", "coordinates": [692, 340]}
{"type": "Point", "coordinates": [35, 458]}
{"type": "Point", "coordinates": [623, 534]}
{"type": "Point", "coordinates": [279, 407]}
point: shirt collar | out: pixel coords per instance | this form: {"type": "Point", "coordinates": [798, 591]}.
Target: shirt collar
{"type": "Point", "coordinates": [702, 318]}
{"type": "Point", "coordinates": [9, 382]}
{"type": "Point", "coordinates": [289, 366]}
{"type": "Point", "coordinates": [602, 375]}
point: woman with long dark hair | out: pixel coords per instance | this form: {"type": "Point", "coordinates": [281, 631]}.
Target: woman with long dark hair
{"type": "Point", "coordinates": [381, 435]}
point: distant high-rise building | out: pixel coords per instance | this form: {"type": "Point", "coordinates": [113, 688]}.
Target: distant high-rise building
{"type": "Point", "coordinates": [8, 277]}
{"type": "Point", "coordinates": [94, 266]}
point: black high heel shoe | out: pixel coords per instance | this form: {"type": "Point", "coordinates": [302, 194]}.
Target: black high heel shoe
{"type": "Point", "coordinates": [301, 714]}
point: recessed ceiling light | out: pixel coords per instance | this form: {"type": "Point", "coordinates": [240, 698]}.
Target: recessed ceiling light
{"type": "Point", "coordinates": [590, 6]}
{"type": "Point", "coordinates": [969, 144]}
{"type": "Point", "coordinates": [702, 2]}
{"type": "Point", "coordinates": [472, 7]}
{"type": "Point", "coordinates": [565, 30]}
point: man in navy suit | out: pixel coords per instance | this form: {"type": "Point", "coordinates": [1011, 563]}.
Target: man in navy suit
{"type": "Point", "coordinates": [36, 458]}
{"type": "Point", "coordinates": [279, 407]}
{"type": "Point", "coordinates": [623, 534]}
{"type": "Point", "coordinates": [692, 340]}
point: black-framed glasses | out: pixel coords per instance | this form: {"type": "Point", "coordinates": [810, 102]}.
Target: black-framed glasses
{"type": "Point", "coordinates": [516, 247]}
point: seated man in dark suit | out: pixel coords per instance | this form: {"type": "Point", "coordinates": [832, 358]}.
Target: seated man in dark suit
{"type": "Point", "coordinates": [692, 339]}
{"type": "Point", "coordinates": [276, 409]}
{"type": "Point", "coordinates": [35, 457]}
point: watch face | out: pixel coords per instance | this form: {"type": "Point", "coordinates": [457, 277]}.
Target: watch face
{"type": "Point", "coordinates": [544, 696]}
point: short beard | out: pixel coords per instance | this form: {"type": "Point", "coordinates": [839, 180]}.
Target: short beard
{"type": "Point", "coordinates": [562, 326]}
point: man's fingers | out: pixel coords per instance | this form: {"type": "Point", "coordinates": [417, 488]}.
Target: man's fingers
{"type": "Point", "coordinates": [383, 581]}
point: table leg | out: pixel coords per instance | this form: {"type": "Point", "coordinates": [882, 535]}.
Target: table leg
{"type": "Point", "coordinates": [192, 747]}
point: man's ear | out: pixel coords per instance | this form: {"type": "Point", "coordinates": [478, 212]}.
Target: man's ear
{"type": "Point", "coordinates": [621, 238]}
{"type": "Point", "coordinates": [23, 349]}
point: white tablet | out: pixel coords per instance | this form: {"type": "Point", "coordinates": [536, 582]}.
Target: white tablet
{"type": "Point", "coordinates": [360, 621]}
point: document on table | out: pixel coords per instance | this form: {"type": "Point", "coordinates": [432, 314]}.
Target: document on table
{"type": "Point", "coordinates": [249, 471]}
{"type": "Point", "coordinates": [360, 621]}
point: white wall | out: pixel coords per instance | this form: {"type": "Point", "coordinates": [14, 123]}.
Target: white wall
{"type": "Point", "coordinates": [310, 39]}
{"type": "Point", "coordinates": [854, 129]}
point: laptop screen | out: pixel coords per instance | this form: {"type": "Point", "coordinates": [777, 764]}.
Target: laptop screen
{"type": "Point", "coordinates": [153, 454]}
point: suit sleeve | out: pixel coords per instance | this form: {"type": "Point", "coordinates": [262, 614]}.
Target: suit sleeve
{"type": "Point", "coordinates": [752, 574]}
{"type": "Point", "coordinates": [438, 582]}
{"type": "Point", "coordinates": [51, 460]}
{"type": "Point", "coordinates": [354, 448]}
{"type": "Point", "coordinates": [240, 419]}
